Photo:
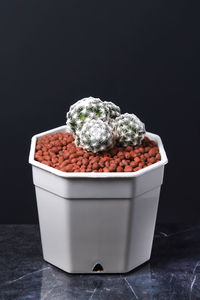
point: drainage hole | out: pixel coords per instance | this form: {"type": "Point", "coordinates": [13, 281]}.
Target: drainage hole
{"type": "Point", "coordinates": [98, 268]}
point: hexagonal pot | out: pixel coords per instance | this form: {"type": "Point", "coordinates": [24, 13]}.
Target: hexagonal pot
{"type": "Point", "coordinates": [92, 222]}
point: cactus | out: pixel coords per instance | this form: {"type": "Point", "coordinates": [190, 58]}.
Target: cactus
{"type": "Point", "coordinates": [90, 108]}
{"type": "Point", "coordinates": [97, 125]}
{"type": "Point", "coordinates": [113, 110]}
{"type": "Point", "coordinates": [84, 110]}
{"type": "Point", "coordinates": [129, 129]}
{"type": "Point", "coordinates": [96, 136]}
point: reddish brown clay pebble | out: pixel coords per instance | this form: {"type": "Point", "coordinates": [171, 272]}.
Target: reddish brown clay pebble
{"type": "Point", "coordinates": [123, 163]}
{"type": "Point", "coordinates": [137, 169]}
{"type": "Point", "coordinates": [137, 159]}
{"type": "Point", "coordinates": [59, 151]}
{"type": "Point", "coordinates": [146, 149]}
{"type": "Point", "coordinates": [47, 157]}
{"type": "Point", "coordinates": [66, 154]}
{"type": "Point", "coordinates": [152, 152]}
{"type": "Point", "coordinates": [107, 164]}
{"type": "Point", "coordinates": [95, 166]}
{"type": "Point", "coordinates": [141, 164]}
{"type": "Point", "coordinates": [128, 169]}
{"type": "Point", "coordinates": [141, 150]}
{"type": "Point", "coordinates": [120, 155]}
{"type": "Point", "coordinates": [73, 160]}
{"type": "Point", "coordinates": [129, 148]}
{"type": "Point", "coordinates": [152, 160]}
{"type": "Point", "coordinates": [102, 164]}
{"type": "Point", "coordinates": [69, 168]}
{"type": "Point", "coordinates": [133, 164]}
{"type": "Point", "coordinates": [158, 157]}
{"type": "Point", "coordinates": [120, 169]}
{"type": "Point", "coordinates": [46, 162]}
{"type": "Point", "coordinates": [39, 158]}
{"type": "Point", "coordinates": [127, 155]}
{"type": "Point", "coordinates": [112, 167]}
{"type": "Point", "coordinates": [64, 163]}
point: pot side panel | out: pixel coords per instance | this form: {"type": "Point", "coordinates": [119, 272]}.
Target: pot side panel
{"type": "Point", "coordinates": [142, 219]}
{"type": "Point", "coordinates": [99, 234]}
{"type": "Point", "coordinates": [53, 213]}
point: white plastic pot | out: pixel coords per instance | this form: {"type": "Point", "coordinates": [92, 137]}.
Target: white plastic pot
{"type": "Point", "coordinates": [97, 221]}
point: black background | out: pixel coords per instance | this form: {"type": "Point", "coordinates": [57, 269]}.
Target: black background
{"type": "Point", "coordinates": [142, 55]}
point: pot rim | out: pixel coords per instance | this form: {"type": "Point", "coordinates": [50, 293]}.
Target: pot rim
{"type": "Point", "coordinates": [59, 173]}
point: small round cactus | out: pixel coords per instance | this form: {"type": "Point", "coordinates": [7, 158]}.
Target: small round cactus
{"type": "Point", "coordinates": [129, 129]}
{"type": "Point", "coordinates": [96, 136]}
{"type": "Point", "coordinates": [83, 110]}
{"type": "Point", "coordinates": [112, 109]}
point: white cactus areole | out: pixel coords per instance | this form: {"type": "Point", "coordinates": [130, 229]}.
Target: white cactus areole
{"type": "Point", "coordinates": [129, 129]}
{"type": "Point", "coordinates": [98, 125]}
{"type": "Point", "coordinates": [96, 136]}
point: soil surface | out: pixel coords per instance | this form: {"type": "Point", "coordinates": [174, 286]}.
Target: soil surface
{"type": "Point", "coordinates": [59, 151]}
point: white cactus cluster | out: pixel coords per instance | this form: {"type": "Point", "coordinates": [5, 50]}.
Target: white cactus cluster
{"type": "Point", "coordinates": [83, 110]}
{"type": "Point", "coordinates": [98, 125]}
{"type": "Point", "coordinates": [96, 136]}
{"type": "Point", "coordinates": [129, 129]}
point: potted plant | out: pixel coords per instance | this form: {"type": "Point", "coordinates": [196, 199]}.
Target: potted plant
{"type": "Point", "coordinates": [97, 219]}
